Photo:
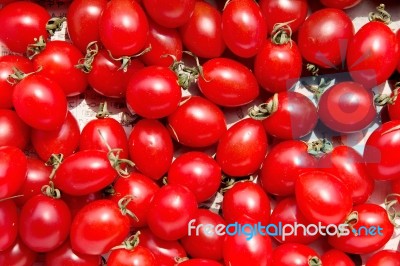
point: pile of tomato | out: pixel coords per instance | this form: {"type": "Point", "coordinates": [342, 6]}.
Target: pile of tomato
{"type": "Point", "coordinates": [98, 194]}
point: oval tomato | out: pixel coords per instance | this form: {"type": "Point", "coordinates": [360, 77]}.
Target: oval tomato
{"type": "Point", "coordinates": [18, 254]}
{"type": "Point", "coordinates": [292, 254]}
{"type": "Point", "coordinates": [14, 132]}
{"type": "Point", "coordinates": [137, 256]}
{"type": "Point", "coordinates": [384, 257]}
{"type": "Point", "coordinates": [13, 167]}
{"type": "Point", "coordinates": [341, 4]}
{"type": "Point", "coordinates": [336, 257]}
{"type": "Point", "coordinates": [9, 219]}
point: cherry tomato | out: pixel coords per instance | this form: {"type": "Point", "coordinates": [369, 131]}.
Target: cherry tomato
{"type": "Point", "coordinates": [137, 256]}
{"type": "Point", "coordinates": [123, 28]}
{"type": "Point", "coordinates": [153, 92]}
{"type": "Point", "coordinates": [396, 186]}
{"type": "Point", "coordinates": [384, 257]}
{"type": "Point", "coordinates": [14, 132]}
{"type": "Point", "coordinates": [170, 211]}
{"type": "Point", "coordinates": [83, 20]}
{"type": "Point", "coordinates": [64, 140]}
{"type": "Point", "coordinates": [202, 34]}
{"type": "Point", "coordinates": [18, 255]}
{"type": "Point", "coordinates": [40, 102]}
{"type": "Point", "coordinates": [169, 13]}
{"type": "Point", "coordinates": [151, 148]}
{"type": "Point", "coordinates": [336, 257]}
{"type": "Point", "coordinates": [198, 172]}
{"type": "Point", "coordinates": [22, 22]}
{"type": "Point", "coordinates": [98, 227]}
{"type": "Point", "coordinates": [199, 262]}
{"type": "Point", "coordinates": [393, 107]}
{"type": "Point", "coordinates": [322, 197]}
{"type": "Point", "coordinates": [204, 245]}
{"type": "Point", "coordinates": [9, 224]}
{"type": "Point", "coordinates": [282, 11]}
{"type": "Point", "coordinates": [380, 152]}
{"type": "Point", "coordinates": [243, 27]}
{"type": "Point", "coordinates": [371, 54]}
{"type": "Point", "coordinates": [242, 148]}
{"type": "Point", "coordinates": [293, 254]}
{"type": "Point", "coordinates": [236, 84]}
{"type": "Point", "coordinates": [13, 167]}
{"type": "Point", "coordinates": [197, 122]}
{"type": "Point", "coordinates": [44, 223]}
{"type": "Point", "coordinates": [341, 4]}
{"type": "Point", "coordinates": [7, 62]}
{"type": "Point", "coordinates": [324, 36]}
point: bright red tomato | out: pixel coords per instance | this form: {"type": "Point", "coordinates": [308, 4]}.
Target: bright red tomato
{"type": "Point", "coordinates": [371, 54]}
{"type": "Point", "coordinates": [242, 148]}
{"type": "Point", "coordinates": [384, 257]}
{"type": "Point", "coordinates": [40, 102]}
{"type": "Point", "coordinates": [22, 22]}
{"type": "Point", "coordinates": [44, 223]}
{"type": "Point", "coordinates": [14, 132]}
{"type": "Point", "coordinates": [18, 255]}
{"type": "Point", "coordinates": [243, 27]}
{"type": "Point", "coordinates": [398, 44]}
{"type": "Point", "coordinates": [13, 167]}
{"type": "Point", "coordinates": [98, 227]}
{"type": "Point", "coordinates": [170, 211]}
{"type": "Point", "coordinates": [324, 36]}
{"type": "Point", "coordinates": [64, 140]}
{"type": "Point", "coordinates": [236, 84]}
{"type": "Point", "coordinates": [393, 107]}
{"type": "Point", "coordinates": [322, 197]}
{"type": "Point", "coordinates": [197, 122]}
{"type": "Point", "coordinates": [336, 257]}
{"type": "Point", "coordinates": [151, 148]}
{"type": "Point", "coordinates": [138, 256]}
{"type": "Point", "coordinates": [153, 92]}
{"type": "Point", "coordinates": [341, 4]}
{"type": "Point", "coordinates": [123, 28]}
{"type": "Point", "coordinates": [9, 219]}
{"type": "Point", "coordinates": [76, 203]}
{"type": "Point", "coordinates": [200, 262]}
{"type": "Point", "coordinates": [293, 254]}
{"type": "Point", "coordinates": [169, 13]}
{"type": "Point", "coordinates": [202, 34]}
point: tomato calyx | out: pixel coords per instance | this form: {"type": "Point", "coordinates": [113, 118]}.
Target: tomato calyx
{"type": "Point", "coordinates": [54, 161]}
{"type": "Point", "coordinates": [351, 220]}
{"type": "Point", "coordinates": [113, 157]}
{"type": "Point", "coordinates": [179, 260]}
{"type": "Point", "coordinates": [264, 110]}
{"type": "Point", "coordinates": [186, 75]}
{"type": "Point", "coordinates": [36, 48]}
{"type": "Point", "coordinates": [55, 24]}
{"type": "Point", "coordinates": [103, 111]}
{"type": "Point", "coordinates": [228, 182]}
{"type": "Point", "coordinates": [130, 243]}
{"type": "Point", "coordinates": [50, 191]}
{"type": "Point", "coordinates": [391, 201]}
{"type": "Point", "coordinates": [282, 33]}
{"type": "Point", "coordinates": [319, 147]}
{"type": "Point", "coordinates": [314, 261]}
{"type": "Point", "coordinates": [85, 64]}
{"type": "Point", "coordinates": [382, 15]}
{"type": "Point", "coordinates": [126, 59]}
{"type": "Point", "coordinates": [315, 84]}
{"type": "Point", "coordinates": [18, 75]}
{"type": "Point", "coordinates": [384, 99]}
{"type": "Point", "coordinates": [123, 206]}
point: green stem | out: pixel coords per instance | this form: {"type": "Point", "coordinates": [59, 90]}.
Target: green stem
{"type": "Point", "coordinates": [55, 24]}
{"type": "Point", "coordinates": [382, 15]}
{"type": "Point", "coordinates": [264, 110]}
{"type": "Point", "coordinates": [123, 205]}
{"type": "Point", "coordinates": [85, 64]}
{"type": "Point", "coordinates": [36, 48]}
{"type": "Point", "coordinates": [320, 146]}
{"type": "Point", "coordinates": [55, 161]}
{"type": "Point", "coordinates": [50, 191]}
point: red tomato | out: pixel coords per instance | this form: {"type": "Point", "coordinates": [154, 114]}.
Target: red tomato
{"type": "Point", "coordinates": [347, 107]}
{"type": "Point", "coordinates": [9, 219]}
{"type": "Point", "coordinates": [293, 254]}
{"type": "Point", "coordinates": [138, 256]}
{"type": "Point", "coordinates": [151, 148]}
{"type": "Point", "coordinates": [242, 148]}
{"type": "Point", "coordinates": [22, 22]}
{"type": "Point", "coordinates": [44, 223]}
{"type": "Point", "coordinates": [98, 227]}
{"type": "Point", "coordinates": [170, 211]}
{"type": "Point", "coordinates": [322, 197]}
{"type": "Point", "coordinates": [384, 257]}
{"type": "Point", "coordinates": [18, 254]}
{"type": "Point", "coordinates": [64, 140]}
{"type": "Point", "coordinates": [13, 167]}
{"type": "Point", "coordinates": [369, 216]}
{"type": "Point", "coordinates": [324, 36]}
{"type": "Point", "coordinates": [83, 20]}
{"type": "Point", "coordinates": [169, 13]}
{"type": "Point", "coordinates": [291, 155]}
{"type": "Point", "coordinates": [76, 203]}
{"type": "Point", "coordinates": [336, 257]}
{"type": "Point", "coordinates": [40, 102]}
{"type": "Point", "coordinates": [396, 186]}
{"type": "Point", "coordinates": [204, 244]}
{"type": "Point", "coordinates": [341, 4]}
{"type": "Point", "coordinates": [243, 27]}
{"type": "Point", "coordinates": [236, 84]}
{"type": "Point", "coordinates": [123, 28]}
{"type": "Point", "coordinates": [197, 122]}
{"type": "Point", "coordinates": [398, 44]}
{"type": "Point", "coordinates": [282, 11]}
{"type": "Point", "coordinates": [14, 132]}
{"type": "Point", "coordinates": [153, 92]}
{"type": "Point", "coordinates": [202, 34]}
{"type": "Point", "coordinates": [7, 62]}
{"type": "Point", "coordinates": [199, 262]}
{"type": "Point", "coordinates": [380, 152]}
{"type": "Point", "coordinates": [393, 107]}
{"type": "Point", "coordinates": [371, 54]}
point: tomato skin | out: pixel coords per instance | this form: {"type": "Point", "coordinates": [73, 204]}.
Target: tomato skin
{"type": "Point", "coordinates": [40, 102]}
{"type": "Point", "coordinates": [336, 257]}
{"type": "Point", "coordinates": [18, 255]}
{"type": "Point", "coordinates": [14, 132]}
{"type": "Point", "coordinates": [13, 167]}
{"type": "Point", "coordinates": [84, 172]}
{"type": "Point", "coordinates": [7, 62]}
{"type": "Point", "coordinates": [341, 4]}
{"type": "Point", "coordinates": [64, 140]}
{"type": "Point", "coordinates": [23, 21]}
{"type": "Point", "coordinates": [291, 155]}
{"type": "Point", "coordinates": [369, 215]}
{"type": "Point", "coordinates": [241, 155]}
{"type": "Point", "coordinates": [380, 152]}
{"type": "Point", "coordinates": [279, 11]}
{"type": "Point", "coordinates": [322, 197]}
{"type": "Point", "coordinates": [200, 262]}
{"type": "Point", "coordinates": [39, 214]}
{"type": "Point", "coordinates": [83, 18]}
{"type": "Point", "coordinates": [324, 35]}
{"type": "Point", "coordinates": [376, 45]}
{"type": "Point", "coordinates": [123, 28]}
{"type": "Point", "coordinates": [394, 109]}
{"type": "Point", "coordinates": [9, 220]}
{"type": "Point", "coordinates": [398, 44]}
{"type": "Point", "coordinates": [169, 13]}
{"type": "Point", "coordinates": [235, 82]}
{"type": "Point", "coordinates": [153, 92]}
{"type": "Point", "coordinates": [292, 254]}
{"type": "Point", "coordinates": [151, 148]}
{"type": "Point", "coordinates": [243, 27]}
{"type": "Point", "coordinates": [138, 256]}
{"type": "Point", "coordinates": [384, 257]}
{"type": "Point", "coordinates": [172, 207]}
{"type": "Point", "coordinates": [202, 34]}
{"type": "Point", "coordinates": [204, 122]}
{"type": "Point", "coordinates": [98, 227]}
